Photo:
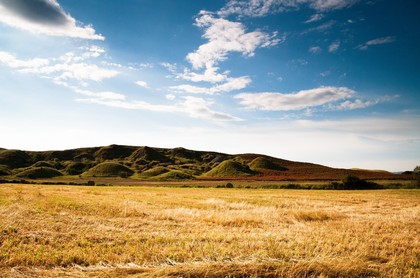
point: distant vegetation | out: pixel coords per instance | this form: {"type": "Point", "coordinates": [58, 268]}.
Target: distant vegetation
{"type": "Point", "coordinates": [147, 163]}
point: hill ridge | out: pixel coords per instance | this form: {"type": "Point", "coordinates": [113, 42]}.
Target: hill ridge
{"type": "Point", "coordinates": [179, 162]}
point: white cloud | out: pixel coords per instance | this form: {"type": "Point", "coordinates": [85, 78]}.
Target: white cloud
{"type": "Point", "coordinates": [258, 8]}
{"type": "Point", "coordinates": [378, 41]}
{"type": "Point", "coordinates": [170, 97]}
{"type": "Point", "coordinates": [45, 17]}
{"type": "Point", "coordinates": [199, 108]}
{"type": "Point", "coordinates": [225, 36]}
{"type": "Point", "coordinates": [67, 67]}
{"type": "Point", "coordinates": [321, 28]}
{"type": "Point", "coordinates": [146, 65]}
{"type": "Point", "coordinates": [12, 62]}
{"type": "Point", "coordinates": [231, 84]}
{"type": "Point", "coordinates": [210, 75]}
{"type": "Point", "coordinates": [315, 18]}
{"type": "Point", "coordinates": [142, 84]}
{"type": "Point", "coordinates": [334, 46]}
{"type": "Point", "coordinates": [170, 67]}
{"type": "Point", "coordinates": [325, 73]}
{"type": "Point", "coordinates": [326, 5]}
{"type": "Point", "coordinates": [296, 101]}
{"type": "Point", "coordinates": [359, 104]}
{"type": "Point", "coordinates": [315, 49]}
{"type": "Point", "coordinates": [192, 106]}
{"type": "Point", "coordinates": [77, 71]}
{"type": "Point", "coordinates": [99, 95]}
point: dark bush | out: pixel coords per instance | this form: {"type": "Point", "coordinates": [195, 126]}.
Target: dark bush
{"type": "Point", "coordinates": [351, 182]}
{"type": "Point", "coordinates": [229, 185]}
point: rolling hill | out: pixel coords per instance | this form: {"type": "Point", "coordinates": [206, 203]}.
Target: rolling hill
{"type": "Point", "coordinates": [148, 163]}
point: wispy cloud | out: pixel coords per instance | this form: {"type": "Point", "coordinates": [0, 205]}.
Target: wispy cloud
{"type": "Point", "coordinates": [142, 83]}
{"type": "Point", "coordinates": [315, 49]}
{"type": "Point", "coordinates": [334, 47]}
{"type": "Point", "coordinates": [69, 66]}
{"type": "Point", "coordinates": [360, 104]}
{"type": "Point", "coordinates": [192, 106]}
{"type": "Point", "coordinates": [258, 8]}
{"type": "Point", "coordinates": [12, 62]}
{"type": "Point", "coordinates": [320, 28]}
{"type": "Point", "coordinates": [315, 18]}
{"type": "Point", "coordinates": [45, 17]}
{"type": "Point", "coordinates": [378, 41]}
{"type": "Point", "coordinates": [231, 84]}
{"type": "Point", "coordinates": [296, 101]}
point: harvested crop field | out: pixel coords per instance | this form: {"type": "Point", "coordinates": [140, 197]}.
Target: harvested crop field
{"type": "Point", "coordinates": [50, 231]}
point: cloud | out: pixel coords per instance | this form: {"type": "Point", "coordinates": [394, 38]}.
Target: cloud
{"type": "Point", "coordinates": [210, 75]}
{"type": "Point", "coordinates": [327, 5]}
{"type": "Point", "coordinates": [359, 104]}
{"type": "Point", "coordinates": [296, 101]}
{"type": "Point", "coordinates": [315, 49]}
{"type": "Point", "coordinates": [99, 95]}
{"type": "Point", "coordinates": [44, 17]}
{"type": "Point", "coordinates": [259, 8]}
{"type": "Point", "coordinates": [170, 67]}
{"type": "Point", "coordinates": [334, 46]}
{"type": "Point", "coordinates": [378, 41]}
{"type": "Point", "coordinates": [67, 67]}
{"type": "Point", "coordinates": [199, 108]}
{"type": "Point", "coordinates": [231, 84]}
{"type": "Point", "coordinates": [321, 28]}
{"type": "Point", "coordinates": [12, 62]}
{"type": "Point", "coordinates": [142, 84]}
{"type": "Point", "coordinates": [192, 106]}
{"type": "Point", "coordinates": [223, 37]}
{"type": "Point", "coordinates": [170, 97]}
{"type": "Point", "coordinates": [315, 18]}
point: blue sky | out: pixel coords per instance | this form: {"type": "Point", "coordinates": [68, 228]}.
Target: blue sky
{"type": "Point", "coordinates": [334, 82]}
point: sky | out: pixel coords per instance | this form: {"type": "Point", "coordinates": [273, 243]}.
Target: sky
{"type": "Point", "coordinates": [333, 82]}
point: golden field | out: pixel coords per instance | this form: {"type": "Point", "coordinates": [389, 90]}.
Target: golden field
{"type": "Point", "coordinates": [71, 231]}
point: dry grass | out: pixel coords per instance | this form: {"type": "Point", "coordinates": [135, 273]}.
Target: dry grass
{"type": "Point", "coordinates": [54, 231]}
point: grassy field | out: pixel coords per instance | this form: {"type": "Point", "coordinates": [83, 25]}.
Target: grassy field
{"type": "Point", "coordinates": [55, 231]}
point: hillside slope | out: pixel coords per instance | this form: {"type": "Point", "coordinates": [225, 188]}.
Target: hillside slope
{"type": "Point", "coordinates": [178, 163]}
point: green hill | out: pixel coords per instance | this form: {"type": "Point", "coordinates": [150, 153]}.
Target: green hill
{"type": "Point", "coordinates": [174, 175]}
{"type": "Point", "coordinates": [148, 154]}
{"type": "Point", "coordinates": [229, 168]}
{"type": "Point", "coordinates": [264, 163]}
{"type": "Point", "coordinates": [156, 171]}
{"type": "Point", "coordinates": [4, 170]}
{"type": "Point", "coordinates": [109, 169]}
{"type": "Point", "coordinates": [39, 173]}
{"type": "Point", "coordinates": [114, 152]}
{"type": "Point", "coordinates": [14, 158]}
{"type": "Point", "coordinates": [176, 163]}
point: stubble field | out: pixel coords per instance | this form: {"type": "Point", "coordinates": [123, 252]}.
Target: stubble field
{"type": "Point", "coordinates": [54, 231]}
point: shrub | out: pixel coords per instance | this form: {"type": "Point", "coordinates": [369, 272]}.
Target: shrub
{"type": "Point", "coordinates": [351, 182]}
{"type": "Point", "coordinates": [229, 185]}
